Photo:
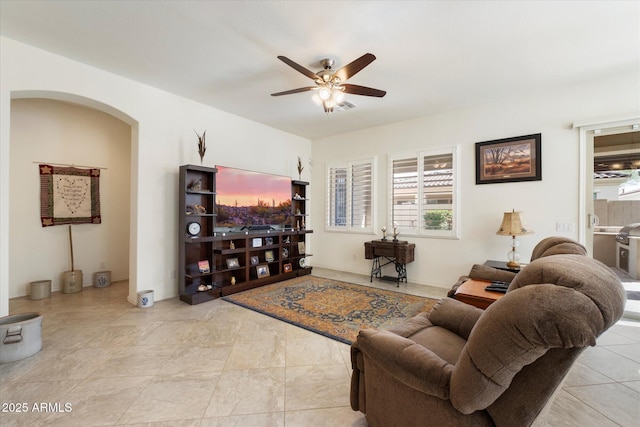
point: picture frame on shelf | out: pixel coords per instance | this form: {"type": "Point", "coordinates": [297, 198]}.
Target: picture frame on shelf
{"type": "Point", "coordinates": [255, 260]}
{"type": "Point", "coordinates": [262, 271]}
{"type": "Point", "coordinates": [285, 253]}
{"type": "Point", "coordinates": [268, 241]}
{"type": "Point", "coordinates": [233, 263]}
{"type": "Point", "coordinates": [268, 256]}
{"type": "Point", "coordinates": [203, 266]}
{"type": "Point", "coordinates": [288, 268]}
{"type": "Point", "coordinates": [301, 247]}
{"type": "Point", "coordinates": [256, 242]}
{"type": "Point", "coordinates": [509, 160]}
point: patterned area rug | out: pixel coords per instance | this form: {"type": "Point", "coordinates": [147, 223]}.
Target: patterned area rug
{"type": "Point", "coordinates": [331, 308]}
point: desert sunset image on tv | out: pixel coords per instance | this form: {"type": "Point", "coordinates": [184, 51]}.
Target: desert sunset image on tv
{"type": "Point", "coordinates": [247, 198]}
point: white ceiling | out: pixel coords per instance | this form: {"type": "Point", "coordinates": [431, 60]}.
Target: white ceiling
{"type": "Point", "coordinates": [432, 56]}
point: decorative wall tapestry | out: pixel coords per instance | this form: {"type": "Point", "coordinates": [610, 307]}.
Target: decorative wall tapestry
{"type": "Point", "coordinates": [69, 195]}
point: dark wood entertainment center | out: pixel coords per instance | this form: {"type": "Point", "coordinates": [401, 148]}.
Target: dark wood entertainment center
{"type": "Point", "coordinates": [230, 262]}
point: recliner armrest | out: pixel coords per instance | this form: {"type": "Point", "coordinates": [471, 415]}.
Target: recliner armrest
{"type": "Point", "coordinates": [410, 363]}
{"type": "Point", "coordinates": [455, 316]}
{"type": "Point", "coordinates": [484, 272]}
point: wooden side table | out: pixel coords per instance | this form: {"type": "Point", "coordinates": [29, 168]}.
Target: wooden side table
{"type": "Point", "coordinates": [472, 292]}
{"type": "Point", "coordinates": [398, 253]}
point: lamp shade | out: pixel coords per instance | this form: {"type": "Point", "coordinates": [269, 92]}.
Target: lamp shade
{"type": "Point", "coordinates": [512, 225]}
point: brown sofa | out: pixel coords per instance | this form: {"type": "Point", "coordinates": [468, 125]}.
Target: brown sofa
{"type": "Point", "coordinates": [462, 366]}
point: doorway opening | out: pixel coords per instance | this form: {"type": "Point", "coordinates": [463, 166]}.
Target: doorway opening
{"type": "Point", "coordinates": [614, 187]}
{"type": "Point", "coordinates": [72, 129]}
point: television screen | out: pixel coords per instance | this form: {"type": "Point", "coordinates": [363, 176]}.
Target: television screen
{"type": "Point", "coordinates": [252, 199]}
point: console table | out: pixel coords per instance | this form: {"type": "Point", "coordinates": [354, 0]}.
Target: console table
{"type": "Point", "coordinates": [398, 253]}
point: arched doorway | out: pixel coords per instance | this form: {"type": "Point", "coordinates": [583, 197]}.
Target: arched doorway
{"type": "Point", "coordinates": [94, 109]}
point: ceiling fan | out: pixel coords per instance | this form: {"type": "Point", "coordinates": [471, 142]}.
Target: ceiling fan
{"type": "Point", "coordinates": [330, 85]}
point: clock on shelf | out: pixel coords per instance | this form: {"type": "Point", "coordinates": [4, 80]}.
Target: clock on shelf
{"type": "Point", "coordinates": [193, 228]}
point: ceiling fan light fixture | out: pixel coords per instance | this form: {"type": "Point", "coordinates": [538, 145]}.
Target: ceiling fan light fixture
{"type": "Point", "coordinates": [324, 93]}
{"type": "Point", "coordinates": [330, 90]}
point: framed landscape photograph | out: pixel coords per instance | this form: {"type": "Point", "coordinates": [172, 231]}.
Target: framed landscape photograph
{"type": "Point", "coordinates": [232, 263]}
{"type": "Point", "coordinates": [509, 160]}
{"type": "Point", "coordinates": [262, 270]}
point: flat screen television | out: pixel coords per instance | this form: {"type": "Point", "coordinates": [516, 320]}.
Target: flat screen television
{"type": "Point", "coordinates": [247, 200]}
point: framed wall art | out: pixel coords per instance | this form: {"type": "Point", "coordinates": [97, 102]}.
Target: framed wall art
{"type": "Point", "coordinates": [69, 195]}
{"type": "Point", "coordinates": [509, 160]}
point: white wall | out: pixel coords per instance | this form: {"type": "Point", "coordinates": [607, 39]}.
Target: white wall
{"type": "Point", "coordinates": [59, 132]}
{"type": "Point", "coordinates": [162, 139]}
{"type": "Point", "coordinates": [440, 262]}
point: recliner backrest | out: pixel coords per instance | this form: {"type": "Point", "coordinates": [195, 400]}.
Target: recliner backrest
{"type": "Point", "coordinates": [557, 246]}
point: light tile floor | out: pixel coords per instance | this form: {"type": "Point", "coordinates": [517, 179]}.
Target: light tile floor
{"type": "Point", "coordinates": [217, 364]}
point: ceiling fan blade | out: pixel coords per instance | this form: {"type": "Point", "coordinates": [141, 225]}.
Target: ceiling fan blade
{"type": "Point", "coordinates": [289, 92]}
{"type": "Point", "coordinates": [363, 90]}
{"type": "Point", "coordinates": [352, 68]}
{"type": "Point", "coordinates": [299, 68]}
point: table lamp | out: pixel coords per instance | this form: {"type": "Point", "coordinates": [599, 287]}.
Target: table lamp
{"type": "Point", "coordinates": [512, 226]}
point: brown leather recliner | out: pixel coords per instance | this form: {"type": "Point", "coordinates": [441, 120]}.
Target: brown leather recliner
{"type": "Point", "coordinates": [459, 365]}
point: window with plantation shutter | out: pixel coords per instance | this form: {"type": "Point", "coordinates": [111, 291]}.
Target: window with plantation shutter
{"type": "Point", "coordinates": [405, 193]}
{"type": "Point", "coordinates": [337, 197]}
{"type": "Point", "coordinates": [350, 196]}
{"type": "Point", "coordinates": [423, 193]}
